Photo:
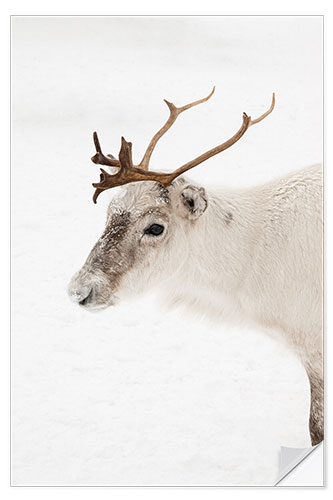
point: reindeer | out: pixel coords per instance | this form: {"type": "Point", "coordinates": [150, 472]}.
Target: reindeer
{"type": "Point", "coordinates": [259, 248]}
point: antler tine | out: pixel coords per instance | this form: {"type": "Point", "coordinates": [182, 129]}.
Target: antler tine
{"type": "Point", "coordinates": [174, 113]}
{"type": "Point", "coordinates": [247, 122]}
{"type": "Point", "coordinates": [101, 159]}
{"type": "Point", "coordinates": [268, 112]}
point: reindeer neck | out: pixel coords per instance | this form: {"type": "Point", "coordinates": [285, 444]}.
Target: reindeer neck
{"type": "Point", "coordinates": [223, 241]}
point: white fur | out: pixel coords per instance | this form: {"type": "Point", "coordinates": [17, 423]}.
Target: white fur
{"type": "Point", "coordinates": [266, 261]}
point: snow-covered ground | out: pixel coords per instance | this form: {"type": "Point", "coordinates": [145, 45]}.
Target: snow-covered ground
{"type": "Point", "coordinates": [134, 395]}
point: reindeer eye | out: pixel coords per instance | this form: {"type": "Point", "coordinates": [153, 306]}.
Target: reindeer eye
{"type": "Point", "coordinates": [154, 229]}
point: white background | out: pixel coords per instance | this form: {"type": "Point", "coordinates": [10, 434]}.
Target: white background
{"type": "Point", "coordinates": [93, 399]}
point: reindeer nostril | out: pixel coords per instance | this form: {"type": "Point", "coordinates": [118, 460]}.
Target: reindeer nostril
{"type": "Point", "coordinates": [87, 299]}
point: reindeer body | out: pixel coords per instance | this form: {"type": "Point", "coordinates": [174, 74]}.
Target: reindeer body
{"type": "Point", "coordinates": [261, 251]}
{"type": "Point", "coordinates": [263, 248]}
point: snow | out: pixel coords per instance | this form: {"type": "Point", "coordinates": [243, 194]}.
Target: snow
{"type": "Point", "coordinates": [135, 395]}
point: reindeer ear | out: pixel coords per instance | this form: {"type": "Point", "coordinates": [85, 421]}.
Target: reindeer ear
{"type": "Point", "coordinates": [193, 201]}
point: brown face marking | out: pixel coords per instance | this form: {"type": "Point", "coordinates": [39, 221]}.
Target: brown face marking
{"type": "Point", "coordinates": [115, 230]}
{"type": "Point", "coordinates": [106, 254]}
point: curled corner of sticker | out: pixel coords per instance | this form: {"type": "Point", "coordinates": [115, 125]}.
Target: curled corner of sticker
{"type": "Point", "coordinates": [290, 458]}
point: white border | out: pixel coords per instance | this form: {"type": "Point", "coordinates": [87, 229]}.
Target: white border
{"type": "Point", "coordinates": [142, 7]}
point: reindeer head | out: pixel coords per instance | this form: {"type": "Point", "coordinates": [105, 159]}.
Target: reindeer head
{"type": "Point", "coordinates": [148, 229]}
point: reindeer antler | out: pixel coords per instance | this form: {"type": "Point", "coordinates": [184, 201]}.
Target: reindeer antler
{"type": "Point", "coordinates": [174, 113]}
{"type": "Point", "coordinates": [130, 173]}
